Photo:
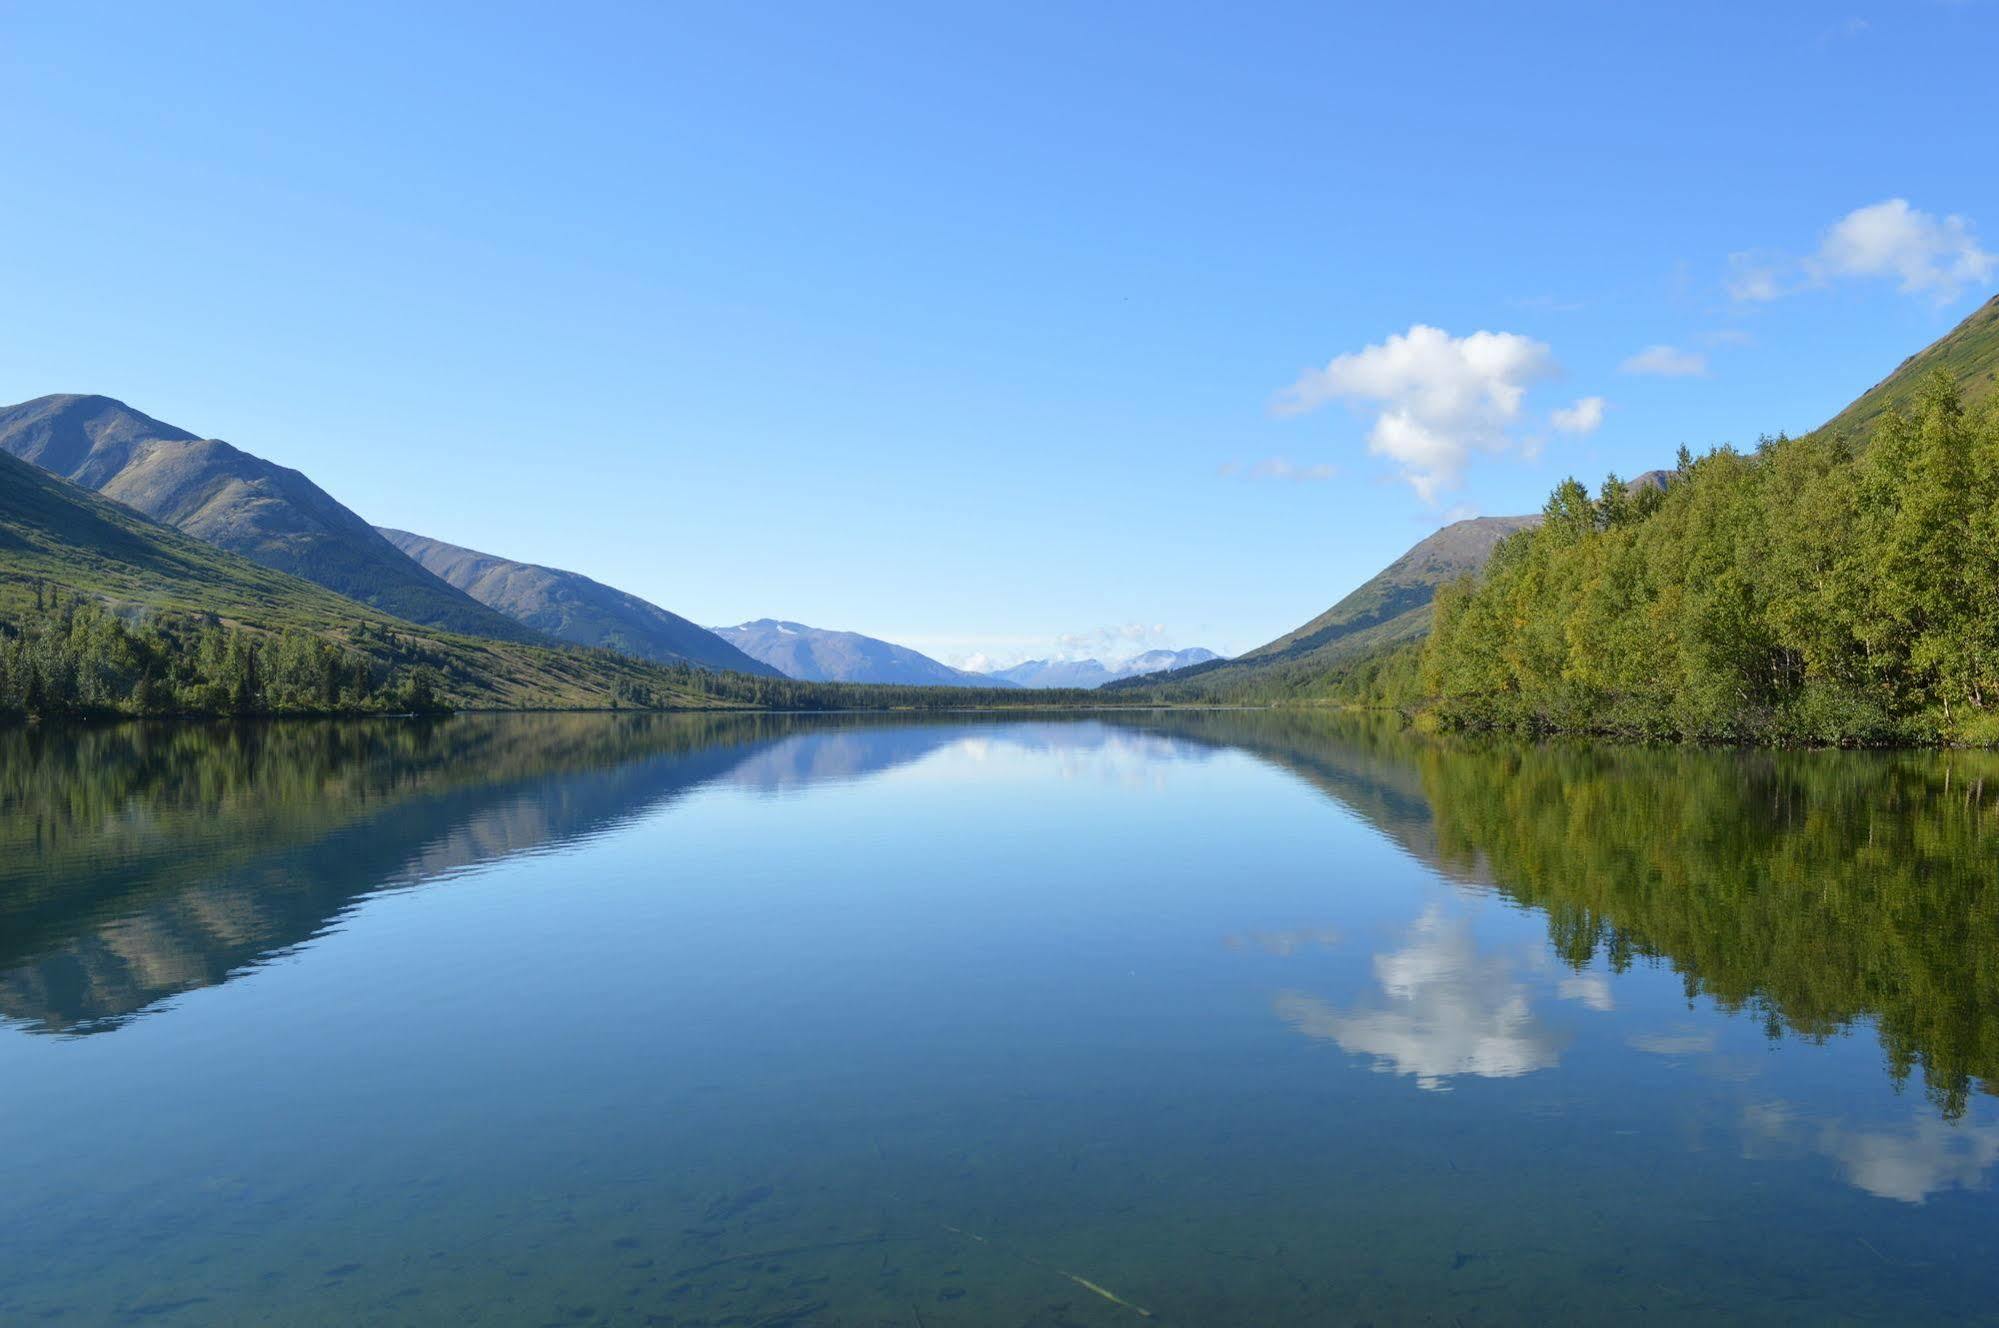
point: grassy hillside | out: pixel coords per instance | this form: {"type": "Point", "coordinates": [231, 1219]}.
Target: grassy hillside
{"type": "Point", "coordinates": [226, 497]}
{"type": "Point", "coordinates": [1969, 353]}
{"type": "Point", "coordinates": [54, 534]}
{"type": "Point", "coordinates": [568, 606]}
{"type": "Point", "coordinates": [1390, 608]}
{"type": "Point", "coordinates": [1391, 605]}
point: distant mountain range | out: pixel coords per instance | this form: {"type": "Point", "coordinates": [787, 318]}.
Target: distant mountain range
{"type": "Point", "coordinates": [242, 511]}
{"type": "Point", "coordinates": [571, 607]}
{"type": "Point", "coordinates": [814, 654]}
{"type": "Point", "coordinates": [1090, 673]}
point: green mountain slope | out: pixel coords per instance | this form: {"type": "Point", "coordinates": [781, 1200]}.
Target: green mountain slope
{"type": "Point", "coordinates": [1391, 607]}
{"type": "Point", "coordinates": [58, 534]}
{"type": "Point", "coordinates": [569, 606]}
{"type": "Point", "coordinates": [238, 502]}
{"type": "Point", "coordinates": [1969, 353]}
{"type": "Point", "coordinates": [1393, 604]}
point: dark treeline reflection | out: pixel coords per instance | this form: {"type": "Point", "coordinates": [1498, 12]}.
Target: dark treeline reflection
{"type": "Point", "coordinates": [1813, 891]}
{"type": "Point", "coordinates": [1810, 890]}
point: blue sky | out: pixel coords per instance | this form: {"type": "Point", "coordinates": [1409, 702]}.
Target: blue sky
{"type": "Point", "coordinates": [1002, 330]}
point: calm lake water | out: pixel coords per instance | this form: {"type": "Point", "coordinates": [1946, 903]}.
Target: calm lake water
{"type": "Point", "coordinates": [1226, 1018]}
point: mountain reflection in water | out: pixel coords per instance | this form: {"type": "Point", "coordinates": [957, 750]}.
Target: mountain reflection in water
{"type": "Point", "coordinates": [1812, 891]}
{"type": "Point", "coordinates": [1264, 1017]}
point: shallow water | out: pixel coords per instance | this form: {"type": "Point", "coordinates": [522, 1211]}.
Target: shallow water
{"type": "Point", "coordinates": [1228, 1018]}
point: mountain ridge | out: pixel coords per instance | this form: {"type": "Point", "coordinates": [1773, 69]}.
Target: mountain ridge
{"type": "Point", "coordinates": [569, 606]}
{"type": "Point", "coordinates": [55, 533]}
{"type": "Point", "coordinates": [218, 493]}
{"type": "Point", "coordinates": [819, 654]}
{"type": "Point", "coordinates": [1390, 607]}
{"type": "Point", "coordinates": [1090, 674]}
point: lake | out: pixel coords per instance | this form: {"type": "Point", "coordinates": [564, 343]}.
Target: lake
{"type": "Point", "coordinates": [1212, 1018]}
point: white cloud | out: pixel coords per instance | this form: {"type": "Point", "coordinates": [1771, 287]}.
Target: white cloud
{"type": "Point", "coordinates": [1928, 254]}
{"type": "Point", "coordinates": [1585, 416]}
{"type": "Point", "coordinates": [1440, 397]}
{"type": "Point", "coordinates": [1925, 255]}
{"type": "Point", "coordinates": [1450, 1011]}
{"type": "Point", "coordinates": [1666, 362]}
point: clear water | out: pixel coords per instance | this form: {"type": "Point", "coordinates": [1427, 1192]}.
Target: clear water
{"type": "Point", "coordinates": [1221, 1018]}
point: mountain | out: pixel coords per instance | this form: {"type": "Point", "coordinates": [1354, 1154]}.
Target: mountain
{"type": "Point", "coordinates": [1090, 673]}
{"type": "Point", "coordinates": [1390, 607]}
{"type": "Point", "coordinates": [813, 654]}
{"type": "Point", "coordinates": [55, 532]}
{"type": "Point", "coordinates": [1394, 604]}
{"type": "Point", "coordinates": [238, 502]}
{"type": "Point", "coordinates": [571, 607]}
{"type": "Point", "coordinates": [1969, 353]}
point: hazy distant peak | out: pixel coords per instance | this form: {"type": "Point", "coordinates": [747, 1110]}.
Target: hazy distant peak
{"type": "Point", "coordinates": [818, 654]}
{"type": "Point", "coordinates": [1091, 673]}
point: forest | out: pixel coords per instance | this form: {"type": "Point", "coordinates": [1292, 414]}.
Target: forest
{"type": "Point", "coordinates": [1809, 592]}
{"type": "Point", "coordinates": [70, 656]}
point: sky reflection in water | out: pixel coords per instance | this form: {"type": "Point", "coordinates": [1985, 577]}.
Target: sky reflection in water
{"type": "Point", "coordinates": [1252, 1018]}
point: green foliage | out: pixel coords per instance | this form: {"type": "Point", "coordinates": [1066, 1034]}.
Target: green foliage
{"type": "Point", "coordinates": [72, 657]}
{"type": "Point", "coordinates": [1799, 594]}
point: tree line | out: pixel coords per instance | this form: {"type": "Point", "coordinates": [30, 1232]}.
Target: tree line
{"type": "Point", "coordinates": [69, 655]}
{"type": "Point", "coordinates": [1805, 592]}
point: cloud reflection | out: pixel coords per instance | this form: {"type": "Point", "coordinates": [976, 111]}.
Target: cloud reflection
{"type": "Point", "coordinates": [1906, 1163]}
{"type": "Point", "coordinates": [1449, 1011]}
